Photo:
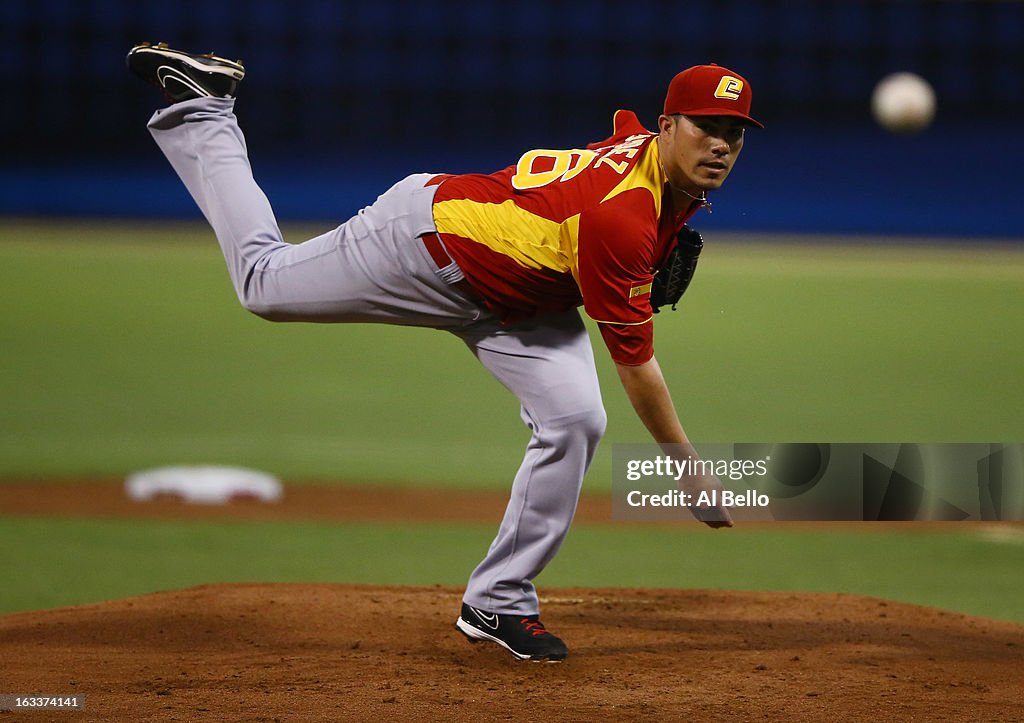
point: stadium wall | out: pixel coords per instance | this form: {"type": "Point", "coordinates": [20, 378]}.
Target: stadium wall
{"type": "Point", "coordinates": [343, 98]}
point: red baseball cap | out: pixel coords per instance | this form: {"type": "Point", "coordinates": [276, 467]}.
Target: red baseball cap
{"type": "Point", "coordinates": [710, 90]}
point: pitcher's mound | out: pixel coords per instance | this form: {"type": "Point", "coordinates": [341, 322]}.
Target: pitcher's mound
{"type": "Point", "coordinates": [336, 652]}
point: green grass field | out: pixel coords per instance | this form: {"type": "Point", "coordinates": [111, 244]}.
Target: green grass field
{"type": "Point", "coordinates": [53, 562]}
{"type": "Point", "coordinates": [124, 348]}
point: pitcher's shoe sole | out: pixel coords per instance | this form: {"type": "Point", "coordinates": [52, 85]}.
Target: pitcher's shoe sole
{"type": "Point", "coordinates": [183, 76]}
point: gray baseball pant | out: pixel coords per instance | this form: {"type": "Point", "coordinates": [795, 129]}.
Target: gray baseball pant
{"type": "Point", "coordinates": [374, 268]}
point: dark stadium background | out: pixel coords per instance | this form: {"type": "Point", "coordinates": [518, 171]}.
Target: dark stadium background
{"type": "Point", "coordinates": [344, 98]}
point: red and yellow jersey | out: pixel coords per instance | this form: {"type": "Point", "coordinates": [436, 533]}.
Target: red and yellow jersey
{"type": "Point", "coordinates": [564, 228]}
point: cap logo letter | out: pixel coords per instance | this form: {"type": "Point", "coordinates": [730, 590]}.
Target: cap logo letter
{"type": "Point", "coordinates": [729, 88]}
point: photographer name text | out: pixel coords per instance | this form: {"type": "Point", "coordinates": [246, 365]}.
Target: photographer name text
{"type": "Point", "coordinates": [707, 498]}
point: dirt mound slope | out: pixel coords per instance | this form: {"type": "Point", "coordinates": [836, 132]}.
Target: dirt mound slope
{"type": "Point", "coordinates": [340, 652]}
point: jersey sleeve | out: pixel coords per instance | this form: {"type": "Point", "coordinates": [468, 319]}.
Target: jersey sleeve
{"type": "Point", "coordinates": [629, 345]}
{"type": "Point", "coordinates": [616, 260]}
{"type": "Point", "coordinates": [617, 242]}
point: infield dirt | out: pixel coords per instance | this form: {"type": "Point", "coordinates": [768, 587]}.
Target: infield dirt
{"type": "Point", "coordinates": [257, 652]}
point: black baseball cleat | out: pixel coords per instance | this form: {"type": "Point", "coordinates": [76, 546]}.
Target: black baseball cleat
{"type": "Point", "coordinates": [183, 76]}
{"type": "Point", "coordinates": [522, 635]}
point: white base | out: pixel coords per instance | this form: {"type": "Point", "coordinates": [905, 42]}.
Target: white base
{"type": "Point", "coordinates": [209, 485]}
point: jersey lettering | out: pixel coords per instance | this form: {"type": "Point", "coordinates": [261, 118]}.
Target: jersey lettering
{"type": "Point", "coordinates": [629, 148]}
{"type": "Point", "coordinates": [542, 166]}
{"type": "Point", "coordinates": [564, 165]}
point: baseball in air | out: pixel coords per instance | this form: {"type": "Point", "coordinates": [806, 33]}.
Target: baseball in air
{"type": "Point", "coordinates": [903, 103]}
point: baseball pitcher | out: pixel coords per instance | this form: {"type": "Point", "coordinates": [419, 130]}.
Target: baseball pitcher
{"type": "Point", "coordinates": [503, 261]}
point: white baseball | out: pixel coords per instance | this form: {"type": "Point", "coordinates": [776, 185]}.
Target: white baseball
{"type": "Point", "coordinates": [903, 103]}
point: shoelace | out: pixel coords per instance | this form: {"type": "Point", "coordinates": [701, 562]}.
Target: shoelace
{"type": "Point", "coordinates": [534, 627]}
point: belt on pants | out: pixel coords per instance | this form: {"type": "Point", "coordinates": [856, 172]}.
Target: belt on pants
{"type": "Point", "coordinates": [437, 251]}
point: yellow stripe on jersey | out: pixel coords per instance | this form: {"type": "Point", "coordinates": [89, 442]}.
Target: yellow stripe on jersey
{"type": "Point", "coordinates": [648, 174]}
{"type": "Point", "coordinates": [537, 242]}
{"type": "Point", "coordinates": [533, 241]}
{"type": "Point", "coordinates": [571, 239]}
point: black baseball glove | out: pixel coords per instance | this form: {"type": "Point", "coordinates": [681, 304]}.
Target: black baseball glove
{"type": "Point", "coordinates": [671, 280]}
